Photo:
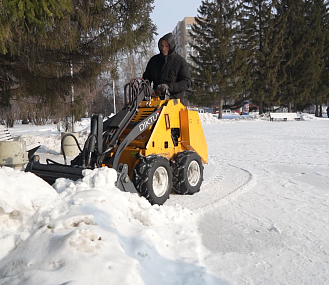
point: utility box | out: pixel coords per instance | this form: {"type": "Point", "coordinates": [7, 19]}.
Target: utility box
{"type": "Point", "coordinates": [13, 153]}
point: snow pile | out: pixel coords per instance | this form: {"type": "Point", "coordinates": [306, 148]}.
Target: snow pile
{"type": "Point", "coordinates": [23, 197]}
{"type": "Point", "coordinates": [89, 232]}
{"type": "Point", "coordinates": [309, 117]}
{"type": "Point", "coordinates": [208, 118]}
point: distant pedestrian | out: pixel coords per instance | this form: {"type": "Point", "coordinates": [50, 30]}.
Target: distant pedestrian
{"type": "Point", "coordinates": [328, 111]}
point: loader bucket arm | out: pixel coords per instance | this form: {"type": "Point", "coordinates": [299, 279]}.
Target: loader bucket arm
{"type": "Point", "coordinates": [135, 92]}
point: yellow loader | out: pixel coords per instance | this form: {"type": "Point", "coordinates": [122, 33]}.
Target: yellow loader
{"type": "Point", "coordinates": [155, 143]}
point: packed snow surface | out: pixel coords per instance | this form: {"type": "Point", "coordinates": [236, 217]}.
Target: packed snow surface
{"type": "Point", "coordinates": [261, 216]}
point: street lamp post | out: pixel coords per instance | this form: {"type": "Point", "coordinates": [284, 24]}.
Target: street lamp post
{"type": "Point", "coordinates": [72, 95]}
{"type": "Point", "coordinates": [114, 108]}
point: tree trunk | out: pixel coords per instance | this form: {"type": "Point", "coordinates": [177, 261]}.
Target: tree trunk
{"type": "Point", "coordinates": [261, 107]}
{"type": "Point", "coordinates": [9, 121]}
{"type": "Point", "coordinates": [220, 108]}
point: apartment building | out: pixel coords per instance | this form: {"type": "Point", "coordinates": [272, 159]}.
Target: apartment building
{"type": "Point", "coordinates": [182, 38]}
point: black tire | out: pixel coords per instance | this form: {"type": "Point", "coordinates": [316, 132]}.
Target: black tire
{"type": "Point", "coordinates": [149, 171]}
{"type": "Point", "coordinates": [187, 172]}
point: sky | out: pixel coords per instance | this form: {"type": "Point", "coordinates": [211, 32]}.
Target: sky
{"type": "Point", "coordinates": [261, 216]}
{"type": "Point", "coordinates": [166, 14]}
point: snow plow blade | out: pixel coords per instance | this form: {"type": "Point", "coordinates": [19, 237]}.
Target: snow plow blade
{"type": "Point", "coordinates": [50, 172]}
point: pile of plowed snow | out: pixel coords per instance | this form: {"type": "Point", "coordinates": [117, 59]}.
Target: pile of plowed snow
{"type": "Point", "coordinates": [91, 232]}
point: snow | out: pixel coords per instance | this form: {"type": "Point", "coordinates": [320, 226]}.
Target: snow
{"type": "Point", "coordinates": [261, 216]}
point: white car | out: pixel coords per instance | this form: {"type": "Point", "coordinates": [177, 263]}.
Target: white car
{"type": "Point", "coordinates": [230, 112]}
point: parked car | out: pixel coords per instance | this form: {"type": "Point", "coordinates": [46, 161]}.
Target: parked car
{"type": "Point", "coordinates": [230, 112]}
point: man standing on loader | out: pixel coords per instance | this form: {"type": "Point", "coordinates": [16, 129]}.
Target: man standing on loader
{"type": "Point", "coordinates": [168, 70]}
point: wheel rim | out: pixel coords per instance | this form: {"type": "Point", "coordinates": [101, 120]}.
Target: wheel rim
{"type": "Point", "coordinates": [193, 173]}
{"type": "Point", "coordinates": [160, 181]}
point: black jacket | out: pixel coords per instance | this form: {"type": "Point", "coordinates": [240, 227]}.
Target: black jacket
{"type": "Point", "coordinates": [172, 70]}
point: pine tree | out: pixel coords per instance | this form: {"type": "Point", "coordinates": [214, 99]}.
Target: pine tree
{"type": "Point", "coordinates": [303, 64]}
{"type": "Point", "coordinates": [33, 17]}
{"type": "Point", "coordinates": [314, 64]}
{"type": "Point", "coordinates": [46, 40]}
{"type": "Point", "coordinates": [261, 33]}
{"type": "Point", "coordinates": [324, 77]}
{"type": "Point", "coordinates": [294, 45]}
{"type": "Point", "coordinates": [212, 68]}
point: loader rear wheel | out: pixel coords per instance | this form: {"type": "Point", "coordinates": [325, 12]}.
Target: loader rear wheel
{"type": "Point", "coordinates": [152, 178]}
{"type": "Point", "coordinates": [187, 172]}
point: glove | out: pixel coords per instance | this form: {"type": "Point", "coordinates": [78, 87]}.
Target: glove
{"type": "Point", "coordinates": [163, 88]}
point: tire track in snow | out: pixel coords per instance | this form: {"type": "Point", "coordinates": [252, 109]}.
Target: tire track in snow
{"type": "Point", "coordinates": [221, 185]}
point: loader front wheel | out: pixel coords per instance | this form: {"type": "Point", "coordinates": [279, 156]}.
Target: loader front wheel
{"type": "Point", "coordinates": [152, 178]}
{"type": "Point", "coordinates": [187, 173]}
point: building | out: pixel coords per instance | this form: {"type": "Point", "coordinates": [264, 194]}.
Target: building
{"type": "Point", "coordinates": [182, 38]}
